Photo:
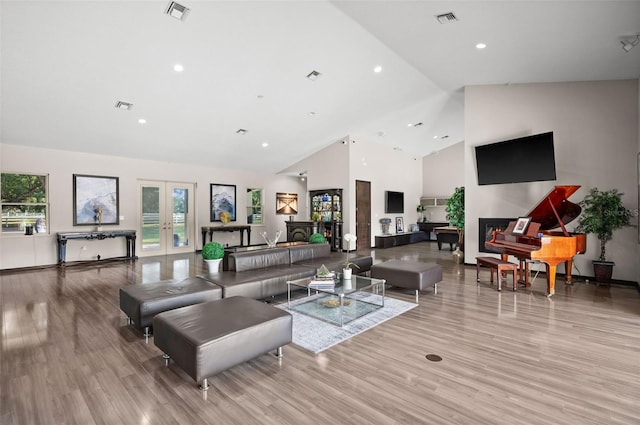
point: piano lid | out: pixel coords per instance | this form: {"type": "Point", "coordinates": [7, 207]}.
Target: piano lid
{"type": "Point", "coordinates": [567, 211]}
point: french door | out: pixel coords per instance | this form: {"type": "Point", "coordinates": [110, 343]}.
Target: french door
{"type": "Point", "coordinates": [167, 217]}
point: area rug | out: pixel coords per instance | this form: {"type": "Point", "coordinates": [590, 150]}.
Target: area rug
{"type": "Point", "coordinates": [316, 336]}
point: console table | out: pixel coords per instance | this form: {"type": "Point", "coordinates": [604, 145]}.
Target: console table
{"type": "Point", "coordinates": [63, 237]}
{"type": "Point", "coordinates": [211, 229]}
{"type": "Point", "coordinates": [388, 241]}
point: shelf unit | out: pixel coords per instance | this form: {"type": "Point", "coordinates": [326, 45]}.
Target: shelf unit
{"type": "Point", "coordinates": [328, 204]}
{"type": "Point", "coordinates": [433, 201]}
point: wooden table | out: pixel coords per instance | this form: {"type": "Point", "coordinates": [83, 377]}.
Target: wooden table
{"type": "Point", "coordinates": [225, 228]}
{"type": "Point", "coordinates": [63, 237]}
{"type": "Point", "coordinates": [446, 235]}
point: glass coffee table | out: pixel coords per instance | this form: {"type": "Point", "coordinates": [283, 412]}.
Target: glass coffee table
{"type": "Point", "coordinates": [347, 301]}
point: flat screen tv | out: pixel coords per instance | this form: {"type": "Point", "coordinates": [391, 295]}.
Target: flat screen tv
{"type": "Point", "coordinates": [393, 202]}
{"type": "Point", "coordinates": [526, 159]}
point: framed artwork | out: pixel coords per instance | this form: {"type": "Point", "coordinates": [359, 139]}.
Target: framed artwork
{"type": "Point", "coordinates": [286, 203]}
{"type": "Point", "coordinates": [223, 198]}
{"type": "Point", "coordinates": [95, 200]}
{"type": "Point", "coordinates": [399, 225]}
{"type": "Point", "coordinates": [521, 225]}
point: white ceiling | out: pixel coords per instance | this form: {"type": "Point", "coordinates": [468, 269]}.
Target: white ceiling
{"type": "Point", "coordinates": [66, 64]}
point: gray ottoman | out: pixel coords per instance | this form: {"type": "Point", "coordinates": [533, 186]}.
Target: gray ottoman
{"type": "Point", "coordinates": [205, 339]}
{"type": "Point", "coordinates": [141, 302]}
{"type": "Point", "coordinates": [409, 274]}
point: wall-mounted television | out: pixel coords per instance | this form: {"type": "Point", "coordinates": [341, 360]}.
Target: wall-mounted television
{"type": "Point", "coordinates": [393, 202]}
{"type": "Point", "coordinates": [526, 159]}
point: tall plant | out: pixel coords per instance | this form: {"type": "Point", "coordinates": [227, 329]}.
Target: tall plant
{"type": "Point", "coordinates": [455, 212]}
{"type": "Point", "coordinates": [602, 213]}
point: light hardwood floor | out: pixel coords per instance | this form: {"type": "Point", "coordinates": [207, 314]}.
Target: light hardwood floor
{"type": "Point", "coordinates": [68, 357]}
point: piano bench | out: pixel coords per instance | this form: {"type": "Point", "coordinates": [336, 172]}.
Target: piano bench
{"type": "Point", "coordinates": [499, 266]}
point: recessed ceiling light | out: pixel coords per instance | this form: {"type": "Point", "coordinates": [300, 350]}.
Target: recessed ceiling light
{"type": "Point", "coordinates": [124, 105]}
{"type": "Point", "coordinates": [435, 137]}
{"type": "Point", "coordinates": [178, 68]}
{"type": "Point", "coordinates": [142, 121]}
{"type": "Point", "coordinates": [178, 11]}
{"type": "Point", "coordinates": [241, 131]}
{"type": "Point", "coordinates": [265, 144]}
{"type": "Point", "coordinates": [377, 69]}
{"type": "Point", "coordinates": [409, 125]}
{"type": "Point", "coordinates": [313, 75]}
{"type": "Point", "coordinates": [418, 124]}
{"type": "Point", "coordinates": [312, 114]}
{"type": "Point", "coordinates": [480, 46]}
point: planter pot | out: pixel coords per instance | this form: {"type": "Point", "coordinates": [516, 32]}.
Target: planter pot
{"type": "Point", "coordinates": [458, 256]}
{"type": "Point", "coordinates": [602, 271]}
{"type": "Point", "coordinates": [214, 265]}
{"type": "Point", "coordinates": [346, 274]}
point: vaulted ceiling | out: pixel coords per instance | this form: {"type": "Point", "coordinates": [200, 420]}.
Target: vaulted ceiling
{"type": "Point", "coordinates": [65, 65]}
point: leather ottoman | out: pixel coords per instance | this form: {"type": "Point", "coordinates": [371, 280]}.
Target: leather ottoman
{"type": "Point", "coordinates": [409, 274]}
{"type": "Point", "coordinates": [205, 339]}
{"type": "Point", "coordinates": [141, 302]}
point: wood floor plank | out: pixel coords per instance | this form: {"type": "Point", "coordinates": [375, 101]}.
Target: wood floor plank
{"type": "Point", "coordinates": [67, 356]}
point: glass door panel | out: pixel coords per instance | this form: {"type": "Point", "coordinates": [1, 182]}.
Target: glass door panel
{"type": "Point", "coordinates": [167, 224]}
{"type": "Point", "coordinates": [150, 218]}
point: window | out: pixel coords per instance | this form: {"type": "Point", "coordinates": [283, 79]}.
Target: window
{"type": "Point", "coordinates": [24, 203]}
{"type": "Point", "coordinates": [254, 206]}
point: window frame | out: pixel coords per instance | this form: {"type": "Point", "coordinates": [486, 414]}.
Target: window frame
{"type": "Point", "coordinates": [46, 205]}
{"type": "Point", "coordinates": [251, 207]}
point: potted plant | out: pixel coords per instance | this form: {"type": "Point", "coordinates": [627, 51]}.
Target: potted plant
{"type": "Point", "coordinates": [212, 254]}
{"type": "Point", "coordinates": [317, 238]}
{"type": "Point", "coordinates": [347, 268]}
{"type": "Point", "coordinates": [420, 209]}
{"type": "Point", "coordinates": [602, 214]}
{"type": "Point", "coordinates": [455, 215]}
{"type": "Point", "coordinates": [316, 216]}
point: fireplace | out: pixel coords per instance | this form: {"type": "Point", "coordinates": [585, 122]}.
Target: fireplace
{"type": "Point", "coordinates": [487, 226]}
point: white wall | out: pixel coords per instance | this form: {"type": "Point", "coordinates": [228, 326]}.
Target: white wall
{"type": "Point", "coordinates": [25, 251]}
{"type": "Point", "coordinates": [354, 158]}
{"type": "Point", "coordinates": [443, 172]}
{"type": "Point", "coordinates": [386, 169]}
{"type": "Point", "coordinates": [595, 127]}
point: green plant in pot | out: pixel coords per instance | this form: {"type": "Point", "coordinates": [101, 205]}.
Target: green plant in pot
{"type": "Point", "coordinates": [317, 238]}
{"type": "Point", "coordinates": [602, 214]}
{"type": "Point", "coordinates": [455, 215]}
{"type": "Point", "coordinates": [212, 254]}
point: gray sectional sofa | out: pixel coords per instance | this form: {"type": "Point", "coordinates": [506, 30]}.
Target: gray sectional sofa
{"type": "Point", "coordinates": [264, 273]}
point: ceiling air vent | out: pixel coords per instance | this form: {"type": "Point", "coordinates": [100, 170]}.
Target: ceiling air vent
{"type": "Point", "coordinates": [313, 75]}
{"type": "Point", "coordinates": [446, 18]}
{"type": "Point", "coordinates": [178, 11]}
{"type": "Point", "coordinates": [124, 105]}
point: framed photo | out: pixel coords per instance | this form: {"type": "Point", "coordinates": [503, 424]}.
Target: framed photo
{"type": "Point", "coordinates": [399, 225]}
{"type": "Point", "coordinates": [286, 203]}
{"type": "Point", "coordinates": [95, 200]}
{"type": "Point", "coordinates": [223, 198]}
{"type": "Point", "coordinates": [521, 225]}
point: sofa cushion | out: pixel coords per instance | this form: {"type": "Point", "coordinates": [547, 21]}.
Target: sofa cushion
{"type": "Point", "coordinates": [335, 262]}
{"type": "Point", "coordinates": [259, 259]}
{"type": "Point", "coordinates": [309, 252]}
{"type": "Point", "coordinates": [260, 283]}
